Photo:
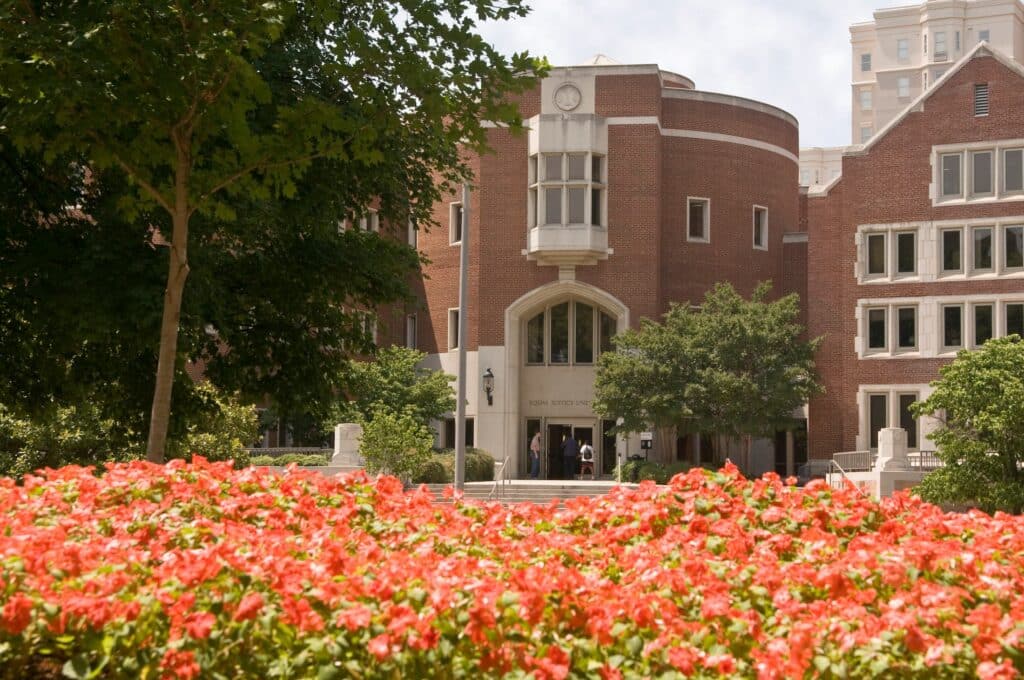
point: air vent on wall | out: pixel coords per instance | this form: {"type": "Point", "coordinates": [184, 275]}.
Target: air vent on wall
{"type": "Point", "coordinates": [981, 99]}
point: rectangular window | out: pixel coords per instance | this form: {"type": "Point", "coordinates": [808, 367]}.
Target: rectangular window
{"type": "Point", "coordinates": [577, 200]}
{"type": "Point", "coordinates": [453, 329]}
{"type": "Point", "coordinates": [1013, 247]}
{"type": "Point", "coordinates": [907, 420]}
{"type": "Point", "coordinates": [455, 223]}
{"type": "Point", "coordinates": [805, 177]}
{"type": "Point", "coordinates": [697, 219]}
{"type": "Point", "coordinates": [410, 331]}
{"type": "Point", "coordinates": [982, 324]}
{"type": "Point", "coordinates": [595, 207]}
{"type": "Point", "coordinates": [413, 233]}
{"type": "Point", "coordinates": [865, 100]}
{"type": "Point", "coordinates": [906, 252]}
{"type": "Point", "coordinates": [553, 167]}
{"type": "Point", "coordinates": [449, 433]}
{"type": "Point", "coordinates": [1015, 319]}
{"type": "Point", "coordinates": [983, 35]}
{"type": "Point", "coordinates": [907, 327]}
{"type": "Point", "coordinates": [865, 62]}
{"type": "Point", "coordinates": [535, 340]}
{"type": "Point", "coordinates": [878, 416]}
{"type": "Point", "coordinates": [925, 43]}
{"type": "Point", "coordinates": [760, 227]}
{"type": "Point", "coordinates": [981, 173]}
{"type": "Point", "coordinates": [560, 333]}
{"type": "Point", "coordinates": [877, 334]}
{"type": "Point", "coordinates": [584, 333]}
{"type": "Point", "coordinates": [876, 254]}
{"type": "Point", "coordinates": [982, 248]}
{"type": "Point", "coordinates": [940, 45]}
{"type": "Point", "coordinates": [865, 133]}
{"type": "Point", "coordinates": [951, 248]}
{"type": "Point", "coordinates": [951, 175]}
{"type": "Point", "coordinates": [553, 205]}
{"type": "Point", "coordinates": [595, 170]}
{"type": "Point", "coordinates": [577, 166]}
{"type": "Point", "coordinates": [531, 173]}
{"type": "Point", "coordinates": [952, 326]}
{"type": "Point", "coordinates": [981, 99]}
{"type": "Point", "coordinates": [903, 87]}
{"type": "Point", "coordinates": [956, 41]}
{"type": "Point", "coordinates": [608, 328]}
{"type": "Point", "coordinates": [903, 49]}
{"type": "Point", "coordinates": [1013, 170]}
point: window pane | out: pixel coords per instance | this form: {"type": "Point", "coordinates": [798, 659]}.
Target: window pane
{"type": "Point", "coordinates": [577, 198]}
{"type": "Point", "coordinates": [560, 333]}
{"type": "Point", "coordinates": [982, 324]}
{"type": "Point", "coordinates": [1013, 177]}
{"type": "Point", "coordinates": [535, 340]}
{"type": "Point", "coordinates": [951, 175]}
{"type": "Point", "coordinates": [907, 420]}
{"type": "Point", "coordinates": [876, 329]}
{"type": "Point", "coordinates": [982, 172]}
{"type": "Point", "coordinates": [533, 170]}
{"type": "Point", "coordinates": [595, 169]}
{"type": "Point", "coordinates": [952, 328]}
{"type": "Point", "coordinates": [577, 166]}
{"type": "Point", "coordinates": [878, 406]}
{"type": "Point", "coordinates": [1014, 247]}
{"type": "Point", "coordinates": [584, 334]}
{"type": "Point", "coordinates": [906, 253]}
{"type": "Point", "coordinates": [553, 166]}
{"type": "Point", "coordinates": [552, 206]}
{"type": "Point", "coordinates": [983, 248]}
{"type": "Point", "coordinates": [456, 227]}
{"type": "Point", "coordinates": [595, 207]}
{"type": "Point", "coordinates": [532, 209]}
{"type": "Point", "coordinates": [951, 250]}
{"type": "Point", "coordinates": [876, 254]}
{"type": "Point", "coordinates": [697, 219]}
{"type": "Point", "coordinates": [760, 217]}
{"type": "Point", "coordinates": [907, 327]}
{"type": "Point", "coordinates": [607, 332]}
{"type": "Point", "coordinates": [1015, 319]}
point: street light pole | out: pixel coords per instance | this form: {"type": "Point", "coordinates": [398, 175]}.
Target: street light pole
{"type": "Point", "coordinates": [460, 398]}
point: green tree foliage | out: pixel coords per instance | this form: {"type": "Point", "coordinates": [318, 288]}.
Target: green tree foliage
{"type": "Point", "coordinates": [731, 367]}
{"type": "Point", "coordinates": [223, 432]}
{"type": "Point", "coordinates": [979, 400]}
{"type": "Point", "coordinates": [204, 109]}
{"type": "Point", "coordinates": [395, 380]}
{"type": "Point", "coordinates": [395, 442]}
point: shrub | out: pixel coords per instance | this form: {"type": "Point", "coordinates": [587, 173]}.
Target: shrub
{"type": "Point", "coordinates": [650, 470]}
{"type": "Point", "coordinates": [395, 443]}
{"type": "Point", "coordinates": [479, 467]}
{"type": "Point", "coordinates": [433, 471]}
{"type": "Point", "coordinates": [304, 459]}
{"type": "Point", "coordinates": [222, 431]}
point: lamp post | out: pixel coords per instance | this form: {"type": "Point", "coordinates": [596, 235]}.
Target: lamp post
{"type": "Point", "coordinates": [489, 386]}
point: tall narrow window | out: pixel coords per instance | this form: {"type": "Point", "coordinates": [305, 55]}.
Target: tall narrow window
{"type": "Point", "coordinates": [940, 45]}
{"type": "Point", "coordinates": [560, 333]}
{"type": "Point", "coordinates": [982, 248]}
{"type": "Point", "coordinates": [983, 35]}
{"type": "Point", "coordinates": [413, 234]}
{"type": "Point", "coordinates": [584, 333]}
{"type": "Point", "coordinates": [577, 166]}
{"type": "Point", "coordinates": [760, 227]}
{"type": "Point", "coordinates": [876, 254]}
{"type": "Point", "coordinates": [577, 199]}
{"type": "Point", "coordinates": [453, 329]}
{"type": "Point", "coordinates": [608, 328]}
{"type": "Point", "coordinates": [952, 326]}
{"type": "Point", "coordinates": [903, 87]}
{"type": "Point", "coordinates": [951, 175]}
{"type": "Point", "coordinates": [865, 62]}
{"type": "Point", "coordinates": [981, 173]}
{"type": "Point", "coordinates": [455, 223]}
{"type": "Point", "coordinates": [595, 207]}
{"type": "Point", "coordinates": [982, 324]}
{"type": "Point", "coordinates": [878, 416]}
{"type": "Point", "coordinates": [902, 49]}
{"type": "Point", "coordinates": [1013, 170]}
{"type": "Point", "coordinates": [697, 219]}
{"type": "Point", "coordinates": [1015, 319]}
{"type": "Point", "coordinates": [981, 99]}
{"type": "Point", "coordinates": [865, 100]}
{"type": "Point", "coordinates": [951, 250]}
{"type": "Point", "coordinates": [535, 340]}
{"type": "Point", "coordinates": [553, 167]}
{"type": "Point", "coordinates": [877, 333]}
{"type": "Point", "coordinates": [906, 252]}
{"type": "Point", "coordinates": [907, 327]}
{"type": "Point", "coordinates": [1013, 247]}
{"type": "Point", "coordinates": [907, 420]}
{"type": "Point", "coordinates": [865, 133]}
{"type": "Point", "coordinates": [553, 205]}
{"type": "Point", "coordinates": [956, 43]}
{"type": "Point", "coordinates": [410, 331]}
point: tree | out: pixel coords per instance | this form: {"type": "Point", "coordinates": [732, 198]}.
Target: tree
{"type": "Point", "coordinates": [733, 367]}
{"type": "Point", "coordinates": [179, 99]}
{"type": "Point", "coordinates": [979, 400]}
{"type": "Point", "coordinates": [396, 381]}
{"type": "Point", "coordinates": [395, 442]}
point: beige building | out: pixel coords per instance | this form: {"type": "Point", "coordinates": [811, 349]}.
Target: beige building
{"type": "Point", "coordinates": [821, 165]}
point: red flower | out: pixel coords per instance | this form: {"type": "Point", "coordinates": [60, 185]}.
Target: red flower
{"type": "Point", "coordinates": [249, 607]}
{"type": "Point", "coordinates": [179, 665]}
{"type": "Point", "coordinates": [16, 614]}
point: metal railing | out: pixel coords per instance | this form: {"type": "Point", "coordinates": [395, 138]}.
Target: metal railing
{"type": "Point", "coordinates": [864, 461]}
{"type": "Point", "coordinates": [500, 481]}
{"type": "Point", "coordinates": [844, 478]}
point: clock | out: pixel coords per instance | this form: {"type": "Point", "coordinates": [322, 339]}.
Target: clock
{"type": "Point", "coordinates": [567, 97]}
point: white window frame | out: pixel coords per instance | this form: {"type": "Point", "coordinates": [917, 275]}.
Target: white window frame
{"type": "Point", "coordinates": [994, 233]}
{"type": "Point", "coordinates": [940, 241]}
{"type": "Point", "coordinates": [1003, 173]}
{"type": "Point", "coordinates": [454, 223]}
{"type": "Point", "coordinates": [972, 322]}
{"type": "Point", "coordinates": [866, 333]}
{"type": "Point", "coordinates": [943, 347]}
{"type": "Point", "coordinates": [940, 184]}
{"type": "Point", "coordinates": [895, 238]}
{"type": "Point", "coordinates": [764, 226]}
{"type": "Point", "coordinates": [453, 328]}
{"type": "Point", "coordinates": [411, 332]}
{"type": "Point", "coordinates": [992, 155]}
{"type": "Point", "coordinates": [1003, 254]}
{"type": "Point", "coordinates": [902, 50]}
{"type": "Point", "coordinates": [412, 234]}
{"type": "Point", "coordinates": [706, 227]}
{"type": "Point", "coordinates": [897, 347]}
{"type": "Point", "coordinates": [998, 149]}
{"type": "Point", "coordinates": [537, 200]}
{"type": "Point", "coordinates": [370, 221]}
{"type": "Point", "coordinates": [890, 233]}
{"type": "Point", "coordinates": [939, 53]}
{"type": "Point", "coordinates": [596, 309]}
{"type": "Point", "coordinates": [866, 99]}
{"type": "Point", "coordinates": [884, 274]}
{"type": "Point", "coordinates": [903, 87]}
{"type": "Point", "coordinates": [892, 394]}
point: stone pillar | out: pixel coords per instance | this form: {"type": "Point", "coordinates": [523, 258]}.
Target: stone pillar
{"type": "Point", "coordinates": [346, 445]}
{"type": "Point", "coordinates": [892, 450]}
{"type": "Point", "coordinates": [790, 455]}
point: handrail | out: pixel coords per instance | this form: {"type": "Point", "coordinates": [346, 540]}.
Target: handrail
{"type": "Point", "coordinates": [502, 478]}
{"type": "Point", "coordinates": [846, 477]}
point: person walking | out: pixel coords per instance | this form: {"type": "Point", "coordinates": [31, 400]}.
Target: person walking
{"type": "Point", "coordinates": [570, 450]}
{"type": "Point", "coordinates": [534, 455]}
{"type": "Point", "coordinates": [586, 460]}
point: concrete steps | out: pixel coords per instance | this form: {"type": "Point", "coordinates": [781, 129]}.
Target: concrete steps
{"type": "Point", "coordinates": [540, 492]}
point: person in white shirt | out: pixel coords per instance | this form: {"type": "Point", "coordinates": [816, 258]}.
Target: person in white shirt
{"type": "Point", "coordinates": [587, 460]}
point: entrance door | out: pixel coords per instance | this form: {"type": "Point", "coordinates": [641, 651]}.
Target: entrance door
{"type": "Point", "coordinates": [584, 435]}
{"type": "Point", "coordinates": [553, 465]}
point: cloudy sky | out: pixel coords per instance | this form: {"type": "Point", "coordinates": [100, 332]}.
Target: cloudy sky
{"type": "Point", "coordinates": [794, 54]}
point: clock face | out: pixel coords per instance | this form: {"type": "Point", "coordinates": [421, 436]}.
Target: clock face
{"type": "Point", "coordinates": [567, 97]}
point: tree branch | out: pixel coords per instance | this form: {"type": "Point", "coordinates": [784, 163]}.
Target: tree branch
{"type": "Point", "coordinates": [259, 165]}
{"type": "Point", "coordinates": [136, 175]}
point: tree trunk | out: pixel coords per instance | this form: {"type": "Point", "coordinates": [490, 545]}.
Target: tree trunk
{"type": "Point", "coordinates": [177, 272]}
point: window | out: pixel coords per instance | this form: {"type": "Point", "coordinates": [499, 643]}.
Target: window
{"type": "Point", "coordinates": [982, 246]}
{"type": "Point", "coordinates": [952, 326]}
{"type": "Point", "coordinates": [560, 333]}
{"type": "Point", "coordinates": [906, 322]}
{"type": "Point", "coordinates": [410, 331]}
{"type": "Point", "coordinates": [940, 45]}
{"type": "Point", "coordinates": [584, 346]}
{"type": "Point", "coordinates": [453, 329]}
{"type": "Point", "coordinates": [865, 62]}
{"type": "Point", "coordinates": [981, 173]}
{"type": "Point", "coordinates": [608, 328]}
{"type": "Point", "coordinates": [983, 35]}
{"type": "Point", "coordinates": [449, 433]}
{"type": "Point", "coordinates": [805, 177]}
{"type": "Point", "coordinates": [906, 252]}
{"type": "Point", "coordinates": [981, 99]}
{"type": "Point", "coordinates": [575, 330]}
{"type": "Point", "coordinates": [1015, 319]}
{"type": "Point", "coordinates": [455, 223]}
{"type": "Point", "coordinates": [865, 133]}
{"type": "Point", "coordinates": [878, 412]}
{"type": "Point", "coordinates": [760, 227]}
{"type": "Point", "coordinates": [1013, 247]}
{"type": "Point", "coordinates": [877, 333]}
{"type": "Point", "coordinates": [903, 87]}
{"type": "Point", "coordinates": [925, 43]}
{"type": "Point", "coordinates": [565, 190]}
{"type": "Point", "coordinates": [698, 219]}
{"type": "Point", "coordinates": [535, 340]}
{"type": "Point", "coordinates": [982, 324]}
{"type": "Point", "coordinates": [369, 324]}
{"type": "Point", "coordinates": [902, 49]}
{"type": "Point", "coordinates": [865, 100]}
{"type": "Point", "coordinates": [1013, 170]}
{"type": "Point", "coordinates": [951, 250]}
{"type": "Point", "coordinates": [907, 420]}
{"type": "Point", "coordinates": [412, 234]}
{"type": "Point", "coordinates": [951, 175]}
{"type": "Point", "coordinates": [876, 254]}
{"type": "Point", "coordinates": [924, 80]}
{"type": "Point", "coordinates": [956, 41]}
{"type": "Point", "coordinates": [369, 222]}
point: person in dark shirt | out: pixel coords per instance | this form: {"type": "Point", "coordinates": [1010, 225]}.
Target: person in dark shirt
{"type": "Point", "coordinates": [570, 449]}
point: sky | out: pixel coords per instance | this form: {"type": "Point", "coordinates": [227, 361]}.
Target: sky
{"type": "Point", "coordinates": [794, 54]}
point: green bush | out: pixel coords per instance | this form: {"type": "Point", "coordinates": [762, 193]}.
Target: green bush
{"type": "Point", "coordinates": [433, 471]}
{"type": "Point", "coordinates": [640, 470]}
{"type": "Point", "coordinates": [652, 471]}
{"type": "Point", "coordinates": [395, 443]}
{"type": "Point", "coordinates": [305, 459]}
{"type": "Point", "coordinates": [223, 431]}
{"type": "Point", "coordinates": [479, 467]}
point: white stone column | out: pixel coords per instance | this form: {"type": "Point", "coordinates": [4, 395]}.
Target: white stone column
{"type": "Point", "coordinates": [346, 444]}
{"type": "Point", "coordinates": [892, 450]}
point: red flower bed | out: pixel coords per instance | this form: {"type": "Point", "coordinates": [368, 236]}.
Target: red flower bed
{"type": "Point", "coordinates": [197, 570]}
